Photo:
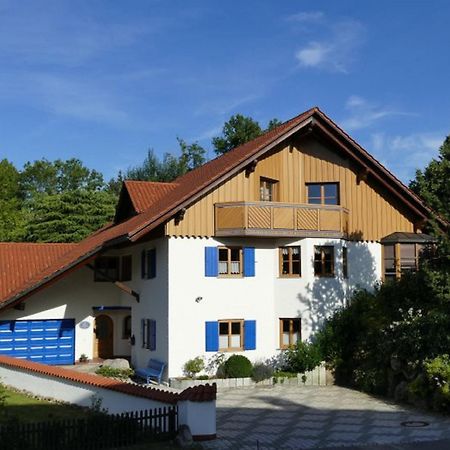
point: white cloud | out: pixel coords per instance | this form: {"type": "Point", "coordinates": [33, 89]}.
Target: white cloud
{"type": "Point", "coordinates": [313, 55]}
{"type": "Point", "coordinates": [336, 52]}
{"type": "Point", "coordinates": [306, 17]}
{"type": "Point", "coordinates": [363, 114]}
{"type": "Point", "coordinates": [404, 154]}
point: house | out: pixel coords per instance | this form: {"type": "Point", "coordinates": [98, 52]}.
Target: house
{"type": "Point", "coordinates": [248, 254]}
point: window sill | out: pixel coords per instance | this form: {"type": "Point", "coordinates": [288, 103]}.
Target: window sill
{"type": "Point", "coordinates": [230, 276]}
{"type": "Point", "coordinates": [295, 276]}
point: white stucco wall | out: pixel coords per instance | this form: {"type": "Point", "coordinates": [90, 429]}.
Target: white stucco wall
{"type": "Point", "coordinates": [265, 298]}
{"type": "Point", "coordinates": [169, 299]}
{"type": "Point", "coordinates": [153, 302]}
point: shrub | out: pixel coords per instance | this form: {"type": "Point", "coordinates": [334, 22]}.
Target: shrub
{"type": "Point", "coordinates": [437, 372]}
{"type": "Point", "coordinates": [215, 362]}
{"type": "Point", "coordinates": [194, 366]}
{"type": "Point", "coordinates": [237, 366]}
{"type": "Point", "coordinates": [302, 357]}
{"type": "Point", "coordinates": [261, 372]}
{"type": "Point", "coordinates": [203, 377]}
{"type": "Point", "coordinates": [111, 372]}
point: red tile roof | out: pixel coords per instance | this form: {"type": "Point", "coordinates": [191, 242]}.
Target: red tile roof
{"type": "Point", "coordinates": [144, 194]}
{"type": "Point", "coordinates": [19, 262]}
{"type": "Point", "coordinates": [204, 393]}
{"type": "Point", "coordinates": [186, 189]}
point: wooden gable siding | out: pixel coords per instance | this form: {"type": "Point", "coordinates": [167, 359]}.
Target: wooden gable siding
{"type": "Point", "coordinates": [372, 213]}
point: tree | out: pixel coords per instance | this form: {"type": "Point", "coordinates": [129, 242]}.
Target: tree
{"type": "Point", "coordinates": [192, 155]}
{"type": "Point", "coordinates": [171, 166]}
{"type": "Point", "coordinates": [433, 184]}
{"type": "Point", "coordinates": [147, 171]}
{"type": "Point", "coordinates": [46, 177]}
{"type": "Point", "coordinates": [69, 216]}
{"type": "Point", "coordinates": [237, 131]}
{"type": "Point", "coordinates": [11, 217]}
{"type": "Point", "coordinates": [273, 123]}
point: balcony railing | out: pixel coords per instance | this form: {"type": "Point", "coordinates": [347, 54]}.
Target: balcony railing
{"type": "Point", "coordinates": [280, 219]}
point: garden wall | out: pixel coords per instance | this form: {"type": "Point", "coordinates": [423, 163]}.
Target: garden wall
{"type": "Point", "coordinates": [320, 376]}
{"type": "Point", "coordinates": [196, 405]}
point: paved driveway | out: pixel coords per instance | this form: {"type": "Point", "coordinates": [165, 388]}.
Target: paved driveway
{"type": "Point", "coordinates": [283, 417]}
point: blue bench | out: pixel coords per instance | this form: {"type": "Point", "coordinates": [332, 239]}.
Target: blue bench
{"type": "Point", "coordinates": [154, 370]}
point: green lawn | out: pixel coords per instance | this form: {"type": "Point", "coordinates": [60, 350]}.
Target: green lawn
{"type": "Point", "coordinates": [29, 409]}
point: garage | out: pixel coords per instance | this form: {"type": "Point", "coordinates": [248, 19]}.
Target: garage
{"type": "Point", "coordinates": [46, 341]}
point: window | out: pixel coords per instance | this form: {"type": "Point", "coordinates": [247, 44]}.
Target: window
{"type": "Point", "coordinates": [230, 261]}
{"type": "Point", "coordinates": [148, 264]}
{"type": "Point", "coordinates": [126, 328]}
{"type": "Point", "coordinates": [148, 334]}
{"type": "Point", "coordinates": [344, 262]}
{"type": "Point", "coordinates": [268, 191]}
{"type": "Point", "coordinates": [290, 265]}
{"type": "Point", "coordinates": [290, 332]}
{"type": "Point", "coordinates": [230, 335]}
{"type": "Point", "coordinates": [323, 193]}
{"type": "Point", "coordinates": [400, 258]}
{"type": "Point", "coordinates": [324, 261]}
{"type": "Point", "coordinates": [112, 268]}
{"type": "Point", "coordinates": [390, 271]}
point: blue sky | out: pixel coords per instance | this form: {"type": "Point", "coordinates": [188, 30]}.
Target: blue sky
{"type": "Point", "coordinates": [105, 80]}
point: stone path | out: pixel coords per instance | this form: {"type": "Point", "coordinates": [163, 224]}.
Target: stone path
{"type": "Point", "coordinates": [283, 417]}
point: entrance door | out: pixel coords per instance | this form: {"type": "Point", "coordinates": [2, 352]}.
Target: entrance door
{"type": "Point", "coordinates": [104, 333]}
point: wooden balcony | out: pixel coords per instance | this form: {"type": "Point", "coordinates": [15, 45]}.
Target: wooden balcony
{"type": "Point", "coordinates": [273, 219]}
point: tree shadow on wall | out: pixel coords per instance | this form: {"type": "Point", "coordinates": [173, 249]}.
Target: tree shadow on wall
{"type": "Point", "coordinates": [327, 294]}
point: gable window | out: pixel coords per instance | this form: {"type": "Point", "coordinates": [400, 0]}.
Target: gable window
{"type": "Point", "coordinates": [323, 193]}
{"type": "Point", "coordinates": [290, 332]}
{"type": "Point", "coordinates": [268, 190]}
{"type": "Point", "coordinates": [112, 268]}
{"type": "Point", "coordinates": [323, 261]}
{"type": "Point", "coordinates": [148, 264]}
{"type": "Point", "coordinates": [345, 262]}
{"type": "Point", "coordinates": [290, 265]}
{"type": "Point", "coordinates": [126, 328]}
{"type": "Point", "coordinates": [230, 335]}
{"type": "Point", "coordinates": [230, 261]}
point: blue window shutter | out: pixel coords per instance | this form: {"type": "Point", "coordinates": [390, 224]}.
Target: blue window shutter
{"type": "Point", "coordinates": [212, 336]}
{"type": "Point", "coordinates": [249, 261]}
{"type": "Point", "coordinates": [211, 262]}
{"type": "Point", "coordinates": [250, 335]}
{"type": "Point", "coordinates": [143, 265]}
{"type": "Point", "coordinates": [152, 332]}
{"type": "Point", "coordinates": [151, 263]}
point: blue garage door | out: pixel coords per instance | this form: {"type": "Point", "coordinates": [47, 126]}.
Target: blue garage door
{"type": "Point", "coordinates": [44, 341]}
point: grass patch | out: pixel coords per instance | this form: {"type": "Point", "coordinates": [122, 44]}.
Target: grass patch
{"type": "Point", "coordinates": [26, 408]}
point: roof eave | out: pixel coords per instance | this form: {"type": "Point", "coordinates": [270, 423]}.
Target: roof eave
{"type": "Point", "coordinates": [20, 296]}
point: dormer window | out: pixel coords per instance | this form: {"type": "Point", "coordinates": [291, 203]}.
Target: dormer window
{"type": "Point", "coordinates": [268, 190]}
{"type": "Point", "coordinates": [323, 193]}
